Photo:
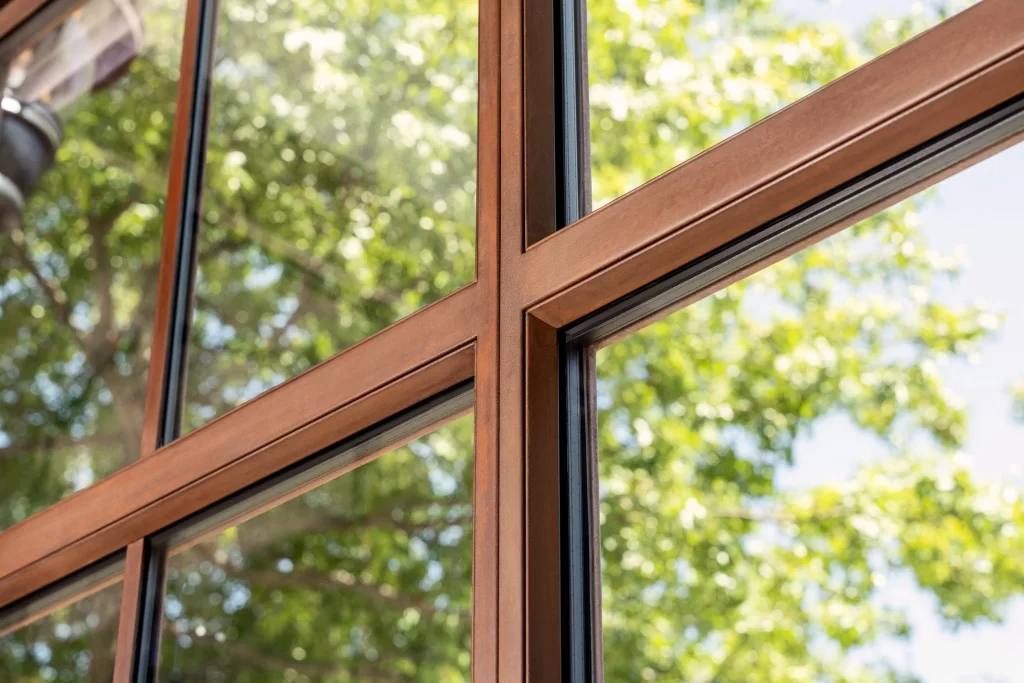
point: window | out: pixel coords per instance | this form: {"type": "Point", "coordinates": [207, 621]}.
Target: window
{"type": "Point", "coordinates": [815, 473]}
{"type": "Point", "coordinates": [72, 643]}
{"type": "Point", "coordinates": [285, 248]}
{"type": "Point", "coordinates": [365, 577]}
{"type": "Point", "coordinates": [87, 123]}
{"type": "Point", "coordinates": [340, 184]}
{"type": "Point", "coordinates": [670, 79]}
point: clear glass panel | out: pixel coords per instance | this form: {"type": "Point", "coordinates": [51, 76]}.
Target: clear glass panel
{"type": "Point", "coordinates": [86, 129]}
{"type": "Point", "coordinates": [670, 78]}
{"type": "Point", "coordinates": [74, 644]}
{"type": "Point", "coordinates": [340, 190]}
{"type": "Point", "coordinates": [365, 578]}
{"type": "Point", "coordinates": [816, 473]}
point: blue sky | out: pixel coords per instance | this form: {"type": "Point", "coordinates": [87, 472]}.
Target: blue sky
{"type": "Point", "coordinates": [977, 211]}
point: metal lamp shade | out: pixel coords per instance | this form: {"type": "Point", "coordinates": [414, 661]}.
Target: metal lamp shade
{"type": "Point", "coordinates": [30, 134]}
{"type": "Point", "coordinates": [93, 47]}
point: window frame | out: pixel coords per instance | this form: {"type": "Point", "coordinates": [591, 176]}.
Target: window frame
{"type": "Point", "coordinates": [507, 330]}
{"type": "Point", "coordinates": [580, 563]}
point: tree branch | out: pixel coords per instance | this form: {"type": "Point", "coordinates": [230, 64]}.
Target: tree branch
{"type": "Point", "coordinates": [56, 296]}
{"type": "Point", "coordinates": [327, 581]}
{"type": "Point", "coordinates": [285, 527]}
{"type": "Point", "coordinates": [104, 338]}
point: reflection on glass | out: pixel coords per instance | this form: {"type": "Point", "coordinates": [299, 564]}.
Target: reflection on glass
{"type": "Point", "coordinates": [815, 474]}
{"type": "Point", "coordinates": [365, 578]}
{"type": "Point", "coordinates": [86, 127]}
{"type": "Point", "coordinates": [669, 79]}
{"type": "Point", "coordinates": [75, 644]}
{"type": "Point", "coordinates": [340, 191]}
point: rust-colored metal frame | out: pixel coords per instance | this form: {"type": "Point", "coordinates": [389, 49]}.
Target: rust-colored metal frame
{"type": "Point", "coordinates": [502, 330]}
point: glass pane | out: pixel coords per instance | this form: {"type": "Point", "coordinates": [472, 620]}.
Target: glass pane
{"type": "Point", "coordinates": [365, 578]}
{"type": "Point", "coordinates": [815, 474]}
{"type": "Point", "coordinates": [73, 644]}
{"type": "Point", "coordinates": [668, 79]}
{"type": "Point", "coordinates": [86, 134]}
{"type": "Point", "coordinates": [340, 191]}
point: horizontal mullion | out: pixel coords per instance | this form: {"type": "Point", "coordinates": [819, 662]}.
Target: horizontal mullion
{"type": "Point", "coordinates": [426, 353]}
{"type": "Point", "coordinates": [927, 86]}
{"type": "Point", "coordinates": [336, 459]}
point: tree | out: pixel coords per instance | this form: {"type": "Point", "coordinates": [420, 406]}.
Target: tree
{"type": "Point", "coordinates": [339, 197]}
{"type": "Point", "coordinates": [711, 571]}
{"type": "Point", "coordinates": [367, 578]}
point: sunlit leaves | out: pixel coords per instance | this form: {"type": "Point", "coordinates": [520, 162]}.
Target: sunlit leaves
{"type": "Point", "coordinates": [671, 78]}
{"type": "Point", "coordinates": [340, 184]}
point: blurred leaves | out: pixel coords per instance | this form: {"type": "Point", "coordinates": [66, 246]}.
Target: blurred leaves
{"type": "Point", "coordinates": [73, 643]}
{"type": "Point", "coordinates": [711, 571]}
{"type": "Point", "coordinates": [367, 577]}
{"type": "Point", "coordinates": [340, 190]}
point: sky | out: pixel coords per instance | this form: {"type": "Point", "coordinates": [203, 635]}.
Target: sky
{"type": "Point", "coordinates": [978, 211]}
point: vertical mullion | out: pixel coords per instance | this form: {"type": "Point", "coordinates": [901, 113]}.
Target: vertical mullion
{"type": "Point", "coordinates": [556, 116]}
{"type": "Point", "coordinates": [142, 593]}
{"type": "Point", "coordinates": [572, 112]}
{"type": "Point", "coordinates": [170, 344]}
{"type": "Point", "coordinates": [575, 473]}
{"type": "Point", "coordinates": [190, 203]}
{"type": "Point", "coordinates": [549, 536]}
{"type": "Point", "coordinates": [486, 623]}
{"type": "Point", "coordinates": [130, 610]}
{"type": "Point", "coordinates": [506, 202]}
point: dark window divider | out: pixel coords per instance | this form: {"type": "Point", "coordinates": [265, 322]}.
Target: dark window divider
{"type": "Point", "coordinates": [572, 124]}
{"type": "Point", "coordinates": [146, 653]}
{"type": "Point", "coordinates": [186, 254]}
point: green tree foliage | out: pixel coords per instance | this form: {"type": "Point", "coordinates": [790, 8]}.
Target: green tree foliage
{"type": "Point", "coordinates": [712, 572]}
{"type": "Point", "coordinates": [339, 197]}
{"type": "Point", "coordinates": [366, 578]}
{"type": "Point", "coordinates": [74, 643]}
{"type": "Point", "coordinates": [79, 292]}
{"type": "Point", "coordinates": [340, 189]}
{"type": "Point", "coordinates": [670, 78]}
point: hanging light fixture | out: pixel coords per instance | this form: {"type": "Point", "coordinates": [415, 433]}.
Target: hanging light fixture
{"type": "Point", "coordinates": [29, 138]}
{"type": "Point", "coordinates": [88, 51]}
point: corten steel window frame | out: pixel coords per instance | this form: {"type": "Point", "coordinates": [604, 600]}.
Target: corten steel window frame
{"type": "Point", "coordinates": [508, 330]}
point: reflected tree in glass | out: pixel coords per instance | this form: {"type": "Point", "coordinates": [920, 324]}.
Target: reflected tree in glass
{"type": "Point", "coordinates": [340, 191]}
{"type": "Point", "coordinates": [365, 578]}
{"type": "Point", "coordinates": [337, 200]}
{"type": "Point", "coordinates": [77, 282]}
{"type": "Point", "coordinates": [74, 644]}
